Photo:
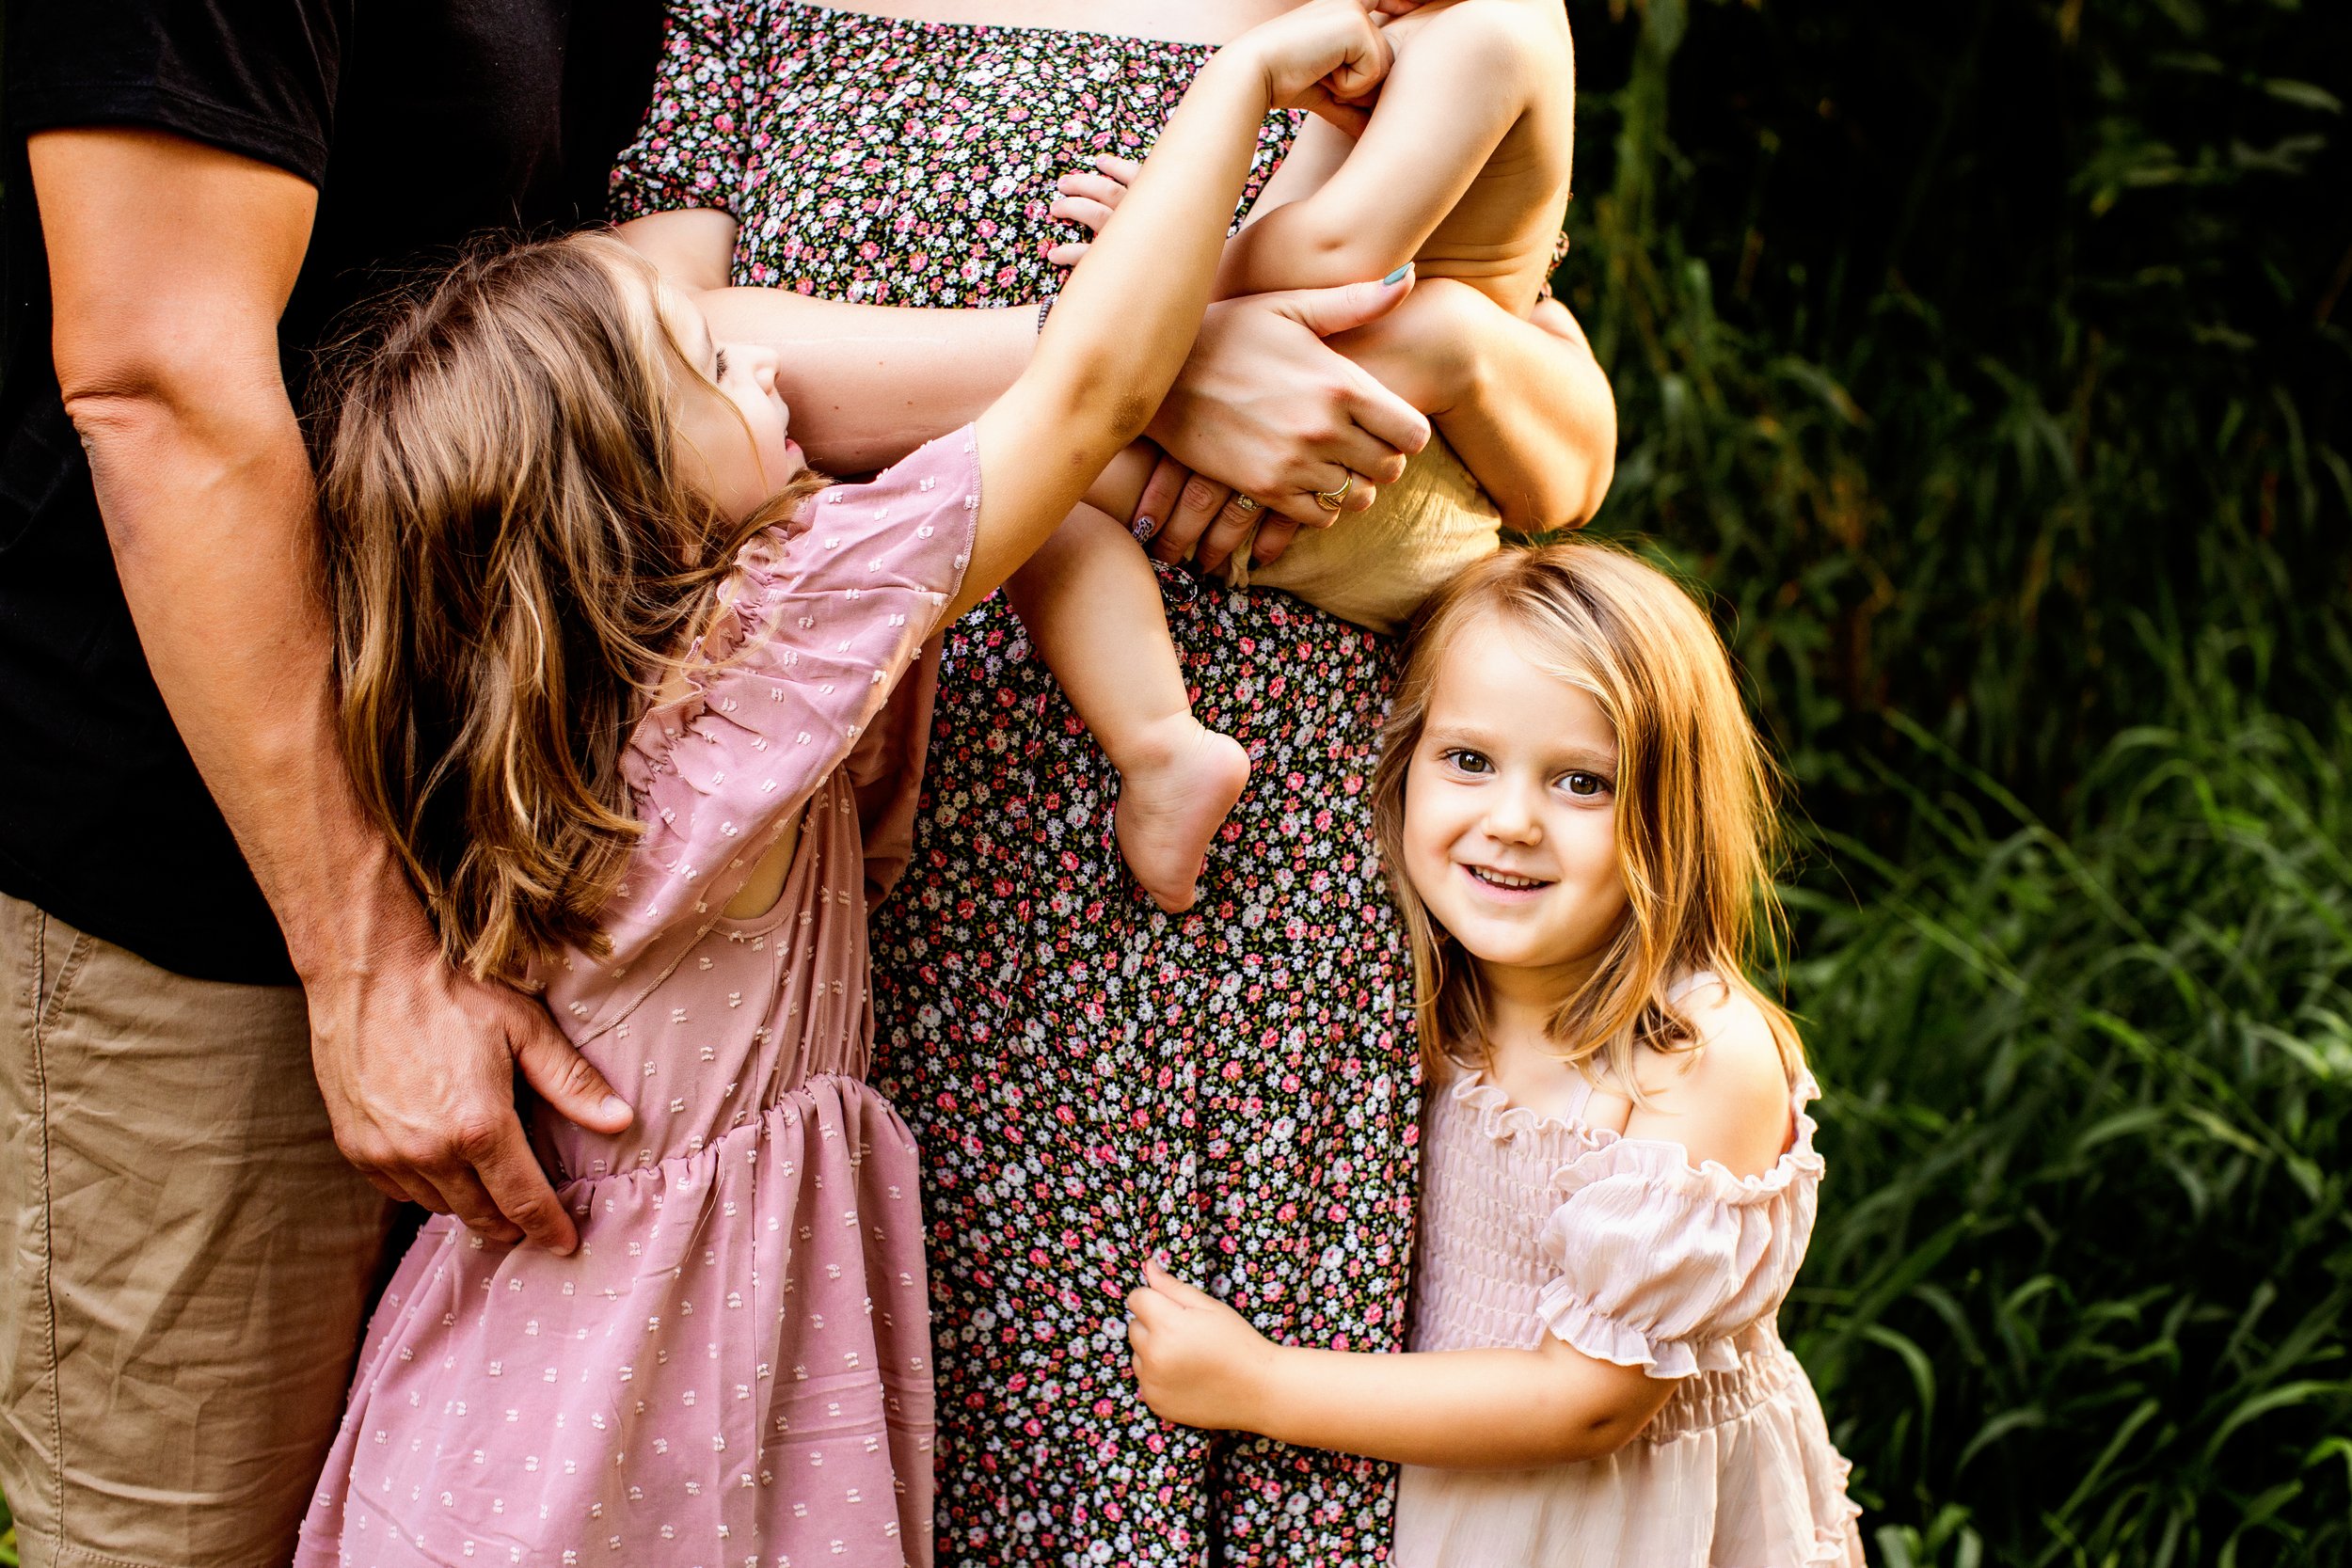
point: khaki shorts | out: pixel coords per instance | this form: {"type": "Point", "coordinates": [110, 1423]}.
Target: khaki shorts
{"type": "Point", "coordinates": [188, 1259]}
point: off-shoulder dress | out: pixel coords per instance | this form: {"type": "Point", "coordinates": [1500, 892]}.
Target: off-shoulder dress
{"type": "Point", "coordinates": [734, 1366]}
{"type": "Point", "coordinates": [1543, 1224]}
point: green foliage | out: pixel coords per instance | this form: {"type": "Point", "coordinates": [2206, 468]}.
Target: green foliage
{"type": "Point", "coordinates": [1945, 338]}
{"type": "Point", "coordinates": [2080, 1287]}
{"type": "Point", "coordinates": [1985, 359]}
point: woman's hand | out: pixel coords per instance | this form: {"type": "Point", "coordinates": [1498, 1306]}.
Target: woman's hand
{"type": "Point", "coordinates": [1265, 408]}
{"type": "Point", "coordinates": [1197, 1361]}
{"type": "Point", "coordinates": [1261, 412]}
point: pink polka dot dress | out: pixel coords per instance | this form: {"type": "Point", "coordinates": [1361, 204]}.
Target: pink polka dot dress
{"type": "Point", "coordinates": [733, 1369]}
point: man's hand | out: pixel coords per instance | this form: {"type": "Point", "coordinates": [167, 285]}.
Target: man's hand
{"type": "Point", "coordinates": [169, 264]}
{"type": "Point", "coordinates": [418, 1064]}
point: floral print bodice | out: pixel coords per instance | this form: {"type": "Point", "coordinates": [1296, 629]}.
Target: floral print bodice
{"type": "Point", "coordinates": [799, 119]}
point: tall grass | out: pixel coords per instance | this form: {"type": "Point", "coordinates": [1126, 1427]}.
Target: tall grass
{"type": "Point", "coordinates": [1985, 358]}
{"type": "Point", "coordinates": [2079, 1291]}
{"type": "Point", "coordinates": [1948, 339]}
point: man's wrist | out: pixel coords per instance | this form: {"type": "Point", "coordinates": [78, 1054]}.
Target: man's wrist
{"type": "Point", "coordinates": [368, 921]}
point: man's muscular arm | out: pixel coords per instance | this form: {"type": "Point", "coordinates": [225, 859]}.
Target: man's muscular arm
{"type": "Point", "coordinates": [170, 264]}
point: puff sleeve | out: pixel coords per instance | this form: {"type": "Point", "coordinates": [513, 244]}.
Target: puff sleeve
{"type": "Point", "coordinates": [1671, 1268]}
{"type": "Point", "coordinates": [692, 147]}
{"type": "Point", "coordinates": [828, 616]}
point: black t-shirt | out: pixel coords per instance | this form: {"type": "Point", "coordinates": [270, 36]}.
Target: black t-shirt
{"type": "Point", "coordinates": [421, 122]}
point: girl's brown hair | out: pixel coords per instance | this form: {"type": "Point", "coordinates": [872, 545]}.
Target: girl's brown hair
{"type": "Point", "coordinates": [513, 550]}
{"type": "Point", "coordinates": [1696, 823]}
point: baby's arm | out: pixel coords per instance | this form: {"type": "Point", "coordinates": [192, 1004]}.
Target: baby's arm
{"type": "Point", "coordinates": [1454, 93]}
{"type": "Point", "coordinates": [1127, 320]}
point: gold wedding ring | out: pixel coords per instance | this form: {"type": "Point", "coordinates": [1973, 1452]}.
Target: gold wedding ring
{"type": "Point", "coordinates": [1330, 499]}
{"type": "Point", "coordinates": [1244, 502]}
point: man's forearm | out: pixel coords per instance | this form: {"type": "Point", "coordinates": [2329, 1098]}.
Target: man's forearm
{"type": "Point", "coordinates": [868, 384]}
{"type": "Point", "coordinates": [207, 495]}
{"type": "Point", "coordinates": [170, 263]}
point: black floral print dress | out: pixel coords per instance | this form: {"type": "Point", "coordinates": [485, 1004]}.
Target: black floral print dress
{"type": "Point", "coordinates": [1091, 1082]}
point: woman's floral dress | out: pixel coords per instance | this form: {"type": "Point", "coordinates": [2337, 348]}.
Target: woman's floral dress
{"type": "Point", "coordinates": [1090, 1081]}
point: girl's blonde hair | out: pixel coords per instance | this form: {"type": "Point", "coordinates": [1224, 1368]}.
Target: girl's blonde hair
{"type": "Point", "coordinates": [515, 553]}
{"type": "Point", "coordinates": [1695, 822]}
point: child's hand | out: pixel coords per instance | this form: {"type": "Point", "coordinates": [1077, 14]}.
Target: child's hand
{"type": "Point", "coordinates": [1198, 1362]}
{"type": "Point", "coordinates": [1088, 199]}
{"type": "Point", "coordinates": [1327, 57]}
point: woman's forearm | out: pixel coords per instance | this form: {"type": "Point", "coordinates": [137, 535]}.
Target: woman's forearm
{"type": "Point", "coordinates": [868, 384]}
{"type": "Point", "coordinates": [1486, 1409]}
{"type": "Point", "coordinates": [1527, 409]}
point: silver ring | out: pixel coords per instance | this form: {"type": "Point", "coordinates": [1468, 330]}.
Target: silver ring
{"type": "Point", "coordinates": [1244, 502]}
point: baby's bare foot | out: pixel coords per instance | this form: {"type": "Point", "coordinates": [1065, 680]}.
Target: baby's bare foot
{"type": "Point", "coordinates": [1174, 792]}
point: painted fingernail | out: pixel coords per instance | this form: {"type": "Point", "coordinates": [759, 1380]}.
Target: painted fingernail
{"type": "Point", "coordinates": [1144, 527]}
{"type": "Point", "coordinates": [1399, 276]}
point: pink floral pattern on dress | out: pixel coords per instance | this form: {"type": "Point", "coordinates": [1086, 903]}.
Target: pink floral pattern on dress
{"type": "Point", "coordinates": [1089, 1080]}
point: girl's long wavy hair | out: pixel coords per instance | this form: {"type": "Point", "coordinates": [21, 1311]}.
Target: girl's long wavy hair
{"type": "Point", "coordinates": [1696, 827]}
{"type": "Point", "coordinates": [514, 554]}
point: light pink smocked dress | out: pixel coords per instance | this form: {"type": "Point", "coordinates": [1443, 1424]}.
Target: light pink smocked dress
{"type": "Point", "coordinates": [1535, 1225]}
{"type": "Point", "coordinates": [733, 1369]}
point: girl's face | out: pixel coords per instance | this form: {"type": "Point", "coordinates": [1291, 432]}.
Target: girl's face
{"type": "Point", "coordinates": [730, 419]}
{"type": "Point", "coordinates": [1510, 814]}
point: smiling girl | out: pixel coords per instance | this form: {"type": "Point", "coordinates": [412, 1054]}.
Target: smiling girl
{"type": "Point", "coordinates": [1618, 1171]}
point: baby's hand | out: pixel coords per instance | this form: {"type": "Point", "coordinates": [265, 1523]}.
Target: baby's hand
{"type": "Point", "coordinates": [1198, 1362]}
{"type": "Point", "coordinates": [1088, 199]}
{"type": "Point", "coordinates": [1327, 57]}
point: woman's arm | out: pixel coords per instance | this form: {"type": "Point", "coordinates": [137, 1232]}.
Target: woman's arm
{"type": "Point", "coordinates": [1201, 1365]}
{"type": "Point", "coordinates": [866, 384]}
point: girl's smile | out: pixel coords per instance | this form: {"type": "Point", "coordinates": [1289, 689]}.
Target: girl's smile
{"type": "Point", "coordinates": [1510, 812]}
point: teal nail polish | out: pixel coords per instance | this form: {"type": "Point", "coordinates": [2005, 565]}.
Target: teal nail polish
{"type": "Point", "coordinates": [1397, 277]}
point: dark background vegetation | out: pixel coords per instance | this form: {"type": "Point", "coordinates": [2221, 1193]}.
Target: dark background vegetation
{"type": "Point", "coordinates": [1989, 360]}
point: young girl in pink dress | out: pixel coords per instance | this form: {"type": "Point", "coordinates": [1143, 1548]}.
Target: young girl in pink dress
{"type": "Point", "coordinates": [1618, 1172]}
{"type": "Point", "coordinates": [643, 706]}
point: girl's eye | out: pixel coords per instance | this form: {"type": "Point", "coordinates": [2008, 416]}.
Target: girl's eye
{"type": "Point", "coordinates": [1467, 761]}
{"type": "Point", "coordinates": [719, 359]}
{"type": "Point", "coordinates": [1585, 785]}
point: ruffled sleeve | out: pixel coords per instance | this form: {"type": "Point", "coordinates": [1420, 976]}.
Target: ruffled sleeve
{"type": "Point", "coordinates": [886, 771]}
{"type": "Point", "coordinates": [693, 148]}
{"type": "Point", "coordinates": [1671, 1268]}
{"type": "Point", "coordinates": [828, 617]}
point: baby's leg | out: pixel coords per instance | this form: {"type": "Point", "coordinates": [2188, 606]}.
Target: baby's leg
{"type": "Point", "coordinates": [1093, 606]}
